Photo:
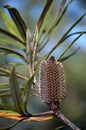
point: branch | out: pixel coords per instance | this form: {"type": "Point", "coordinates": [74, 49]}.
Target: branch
{"type": "Point", "coordinates": [61, 116]}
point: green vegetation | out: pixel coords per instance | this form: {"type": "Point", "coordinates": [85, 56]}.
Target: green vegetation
{"type": "Point", "coordinates": [20, 57]}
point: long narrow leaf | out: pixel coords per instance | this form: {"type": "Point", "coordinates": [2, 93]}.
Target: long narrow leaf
{"type": "Point", "coordinates": [44, 18]}
{"type": "Point", "coordinates": [70, 45]}
{"type": "Point", "coordinates": [67, 57]}
{"type": "Point", "coordinates": [75, 33]}
{"type": "Point", "coordinates": [59, 15]}
{"type": "Point", "coordinates": [15, 92]}
{"type": "Point", "coordinates": [11, 126]}
{"type": "Point", "coordinates": [43, 15]}
{"type": "Point", "coordinates": [18, 21]}
{"type": "Point", "coordinates": [63, 37]}
{"type": "Point", "coordinates": [16, 116]}
{"type": "Point", "coordinates": [11, 35]}
{"type": "Point", "coordinates": [5, 95]}
{"type": "Point", "coordinates": [27, 89]}
{"type": "Point", "coordinates": [11, 50]}
{"type": "Point", "coordinates": [8, 72]}
{"type": "Point", "coordinates": [9, 24]}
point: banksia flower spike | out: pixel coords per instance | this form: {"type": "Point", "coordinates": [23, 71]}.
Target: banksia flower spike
{"type": "Point", "coordinates": [52, 81]}
{"type": "Point", "coordinates": [53, 87]}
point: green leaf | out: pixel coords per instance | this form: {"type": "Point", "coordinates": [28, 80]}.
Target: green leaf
{"type": "Point", "coordinates": [44, 12]}
{"type": "Point", "coordinates": [11, 126]}
{"type": "Point", "coordinates": [68, 31]}
{"type": "Point", "coordinates": [11, 50]}
{"type": "Point", "coordinates": [17, 100]}
{"type": "Point", "coordinates": [57, 18]}
{"type": "Point", "coordinates": [27, 86]}
{"type": "Point", "coordinates": [67, 57]}
{"type": "Point", "coordinates": [59, 15]}
{"type": "Point", "coordinates": [18, 21]}
{"type": "Point", "coordinates": [75, 33]}
{"type": "Point", "coordinates": [44, 18]}
{"type": "Point", "coordinates": [9, 24]}
{"type": "Point", "coordinates": [5, 92]}
{"type": "Point", "coordinates": [60, 127]}
{"type": "Point", "coordinates": [69, 46]}
{"type": "Point", "coordinates": [8, 72]}
{"type": "Point", "coordinates": [63, 37]}
{"type": "Point", "coordinates": [11, 35]}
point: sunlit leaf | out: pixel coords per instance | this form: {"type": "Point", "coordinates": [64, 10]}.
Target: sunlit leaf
{"type": "Point", "coordinates": [12, 50]}
{"type": "Point", "coordinates": [11, 35]}
{"type": "Point", "coordinates": [44, 12]}
{"type": "Point", "coordinates": [17, 116]}
{"type": "Point", "coordinates": [9, 24]}
{"type": "Point", "coordinates": [18, 21]}
{"type": "Point", "coordinates": [8, 113]}
{"type": "Point", "coordinates": [57, 17]}
{"type": "Point", "coordinates": [44, 18]}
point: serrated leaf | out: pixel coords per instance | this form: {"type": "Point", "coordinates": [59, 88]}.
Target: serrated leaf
{"type": "Point", "coordinates": [17, 100]}
{"type": "Point", "coordinates": [17, 20]}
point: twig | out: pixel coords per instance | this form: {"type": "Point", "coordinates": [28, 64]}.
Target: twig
{"type": "Point", "coordinates": [61, 116]}
{"type": "Point", "coordinates": [43, 114]}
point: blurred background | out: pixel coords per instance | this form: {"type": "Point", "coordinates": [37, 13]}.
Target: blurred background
{"type": "Point", "coordinates": [74, 105]}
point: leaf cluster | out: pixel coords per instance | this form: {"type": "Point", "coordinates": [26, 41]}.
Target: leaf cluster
{"type": "Point", "coordinates": [17, 43]}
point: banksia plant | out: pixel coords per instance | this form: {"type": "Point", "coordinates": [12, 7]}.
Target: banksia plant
{"type": "Point", "coordinates": [21, 51]}
{"type": "Point", "coordinates": [52, 81]}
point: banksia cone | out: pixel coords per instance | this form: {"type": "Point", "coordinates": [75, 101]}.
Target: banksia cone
{"type": "Point", "coordinates": [52, 81]}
